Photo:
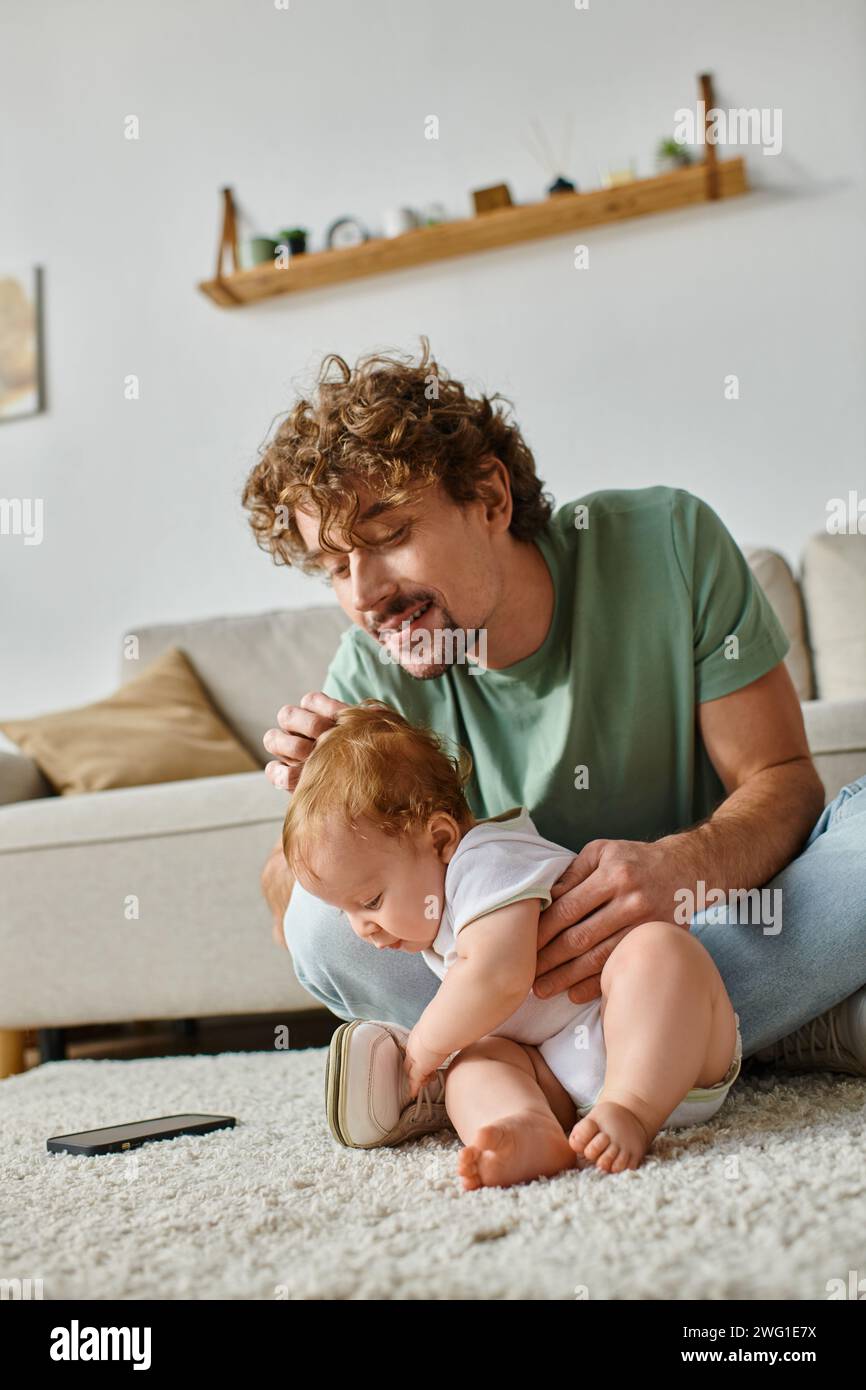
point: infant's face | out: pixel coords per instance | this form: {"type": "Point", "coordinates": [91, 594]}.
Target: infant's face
{"type": "Point", "coordinates": [391, 889]}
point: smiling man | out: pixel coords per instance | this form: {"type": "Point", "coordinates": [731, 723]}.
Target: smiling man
{"type": "Point", "coordinates": [633, 696]}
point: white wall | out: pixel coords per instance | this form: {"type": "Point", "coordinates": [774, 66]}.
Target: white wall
{"type": "Point", "coordinates": [616, 372]}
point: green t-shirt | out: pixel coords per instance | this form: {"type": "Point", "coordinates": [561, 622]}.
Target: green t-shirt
{"type": "Point", "coordinates": [648, 596]}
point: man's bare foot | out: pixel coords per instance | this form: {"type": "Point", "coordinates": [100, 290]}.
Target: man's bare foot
{"type": "Point", "coordinates": [611, 1137]}
{"type": "Point", "coordinates": [515, 1149]}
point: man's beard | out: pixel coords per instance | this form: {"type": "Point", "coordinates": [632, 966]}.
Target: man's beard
{"type": "Point", "coordinates": [416, 654]}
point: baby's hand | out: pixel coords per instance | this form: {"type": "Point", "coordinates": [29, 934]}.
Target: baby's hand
{"type": "Point", "coordinates": [420, 1063]}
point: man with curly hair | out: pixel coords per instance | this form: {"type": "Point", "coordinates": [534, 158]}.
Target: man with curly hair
{"type": "Point", "coordinates": [630, 691]}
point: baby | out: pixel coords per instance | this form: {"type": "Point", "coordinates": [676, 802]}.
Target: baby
{"type": "Point", "coordinates": [379, 826]}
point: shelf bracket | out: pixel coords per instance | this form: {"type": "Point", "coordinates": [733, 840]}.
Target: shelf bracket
{"type": "Point", "coordinates": [711, 160]}
{"type": "Point", "coordinates": [228, 242]}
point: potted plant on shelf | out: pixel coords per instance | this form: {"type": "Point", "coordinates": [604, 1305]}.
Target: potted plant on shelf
{"type": "Point", "coordinates": [671, 155]}
{"type": "Point", "coordinates": [296, 239]}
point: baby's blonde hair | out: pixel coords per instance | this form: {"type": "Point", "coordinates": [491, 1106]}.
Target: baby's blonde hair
{"type": "Point", "coordinates": [373, 765]}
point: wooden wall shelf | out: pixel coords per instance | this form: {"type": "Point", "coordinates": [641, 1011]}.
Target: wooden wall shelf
{"type": "Point", "coordinates": [564, 212]}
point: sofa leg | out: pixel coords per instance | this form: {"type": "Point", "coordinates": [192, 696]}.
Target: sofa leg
{"type": "Point", "coordinates": [11, 1052]}
{"type": "Point", "coordinates": [52, 1044]}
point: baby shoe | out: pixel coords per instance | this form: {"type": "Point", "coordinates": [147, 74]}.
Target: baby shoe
{"type": "Point", "coordinates": [834, 1042]}
{"type": "Point", "coordinates": [367, 1096]}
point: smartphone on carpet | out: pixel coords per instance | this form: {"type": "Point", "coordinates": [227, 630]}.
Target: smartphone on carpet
{"type": "Point", "coordinates": [118, 1138]}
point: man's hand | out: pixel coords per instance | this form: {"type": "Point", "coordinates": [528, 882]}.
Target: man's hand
{"type": "Point", "coordinates": [608, 889]}
{"type": "Point", "coordinates": [294, 739]}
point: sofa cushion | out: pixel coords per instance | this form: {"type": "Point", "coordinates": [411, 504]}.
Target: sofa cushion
{"type": "Point", "coordinates": [836, 730]}
{"type": "Point", "coordinates": [160, 727]}
{"type": "Point", "coordinates": [834, 586]}
{"type": "Point", "coordinates": [778, 583]}
{"type": "Point", "coordinates": [20, 779]}
{"type": "Point", "coordinates": [251, 665]}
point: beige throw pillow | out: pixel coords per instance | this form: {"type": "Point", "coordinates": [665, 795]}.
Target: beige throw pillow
{"type": "Point", "coordinates": [160, 727]}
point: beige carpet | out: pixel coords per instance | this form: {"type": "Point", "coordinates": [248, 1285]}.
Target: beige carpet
{"type": "Point", "coordinates": [767, 1201]}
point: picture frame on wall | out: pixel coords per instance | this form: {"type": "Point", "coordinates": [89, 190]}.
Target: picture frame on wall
{"type": "Point", "coordinates": [22, 377]}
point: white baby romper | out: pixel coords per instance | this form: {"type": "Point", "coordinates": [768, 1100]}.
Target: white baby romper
{"type": "Point", "coordinates": [505, 860]}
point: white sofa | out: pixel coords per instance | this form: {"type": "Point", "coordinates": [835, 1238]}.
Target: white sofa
{"type": "Point", "coordinates": [192, 852]}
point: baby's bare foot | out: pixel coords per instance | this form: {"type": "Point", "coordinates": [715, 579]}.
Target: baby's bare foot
{"type": "Point", "coordinates": [611, 1137]}
{"type": "Point", "coordinates": [516, 1149]}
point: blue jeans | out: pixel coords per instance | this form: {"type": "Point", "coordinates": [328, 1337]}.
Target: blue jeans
{"type": "Point", "coordinates": [776, 979]}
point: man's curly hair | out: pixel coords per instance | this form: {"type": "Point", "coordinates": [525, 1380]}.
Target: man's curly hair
{"type": "Point", "coordinates": [394, 424]}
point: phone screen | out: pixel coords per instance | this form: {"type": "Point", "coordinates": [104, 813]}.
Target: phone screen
{"type": "Point", "coordinates": [118, 1134]}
